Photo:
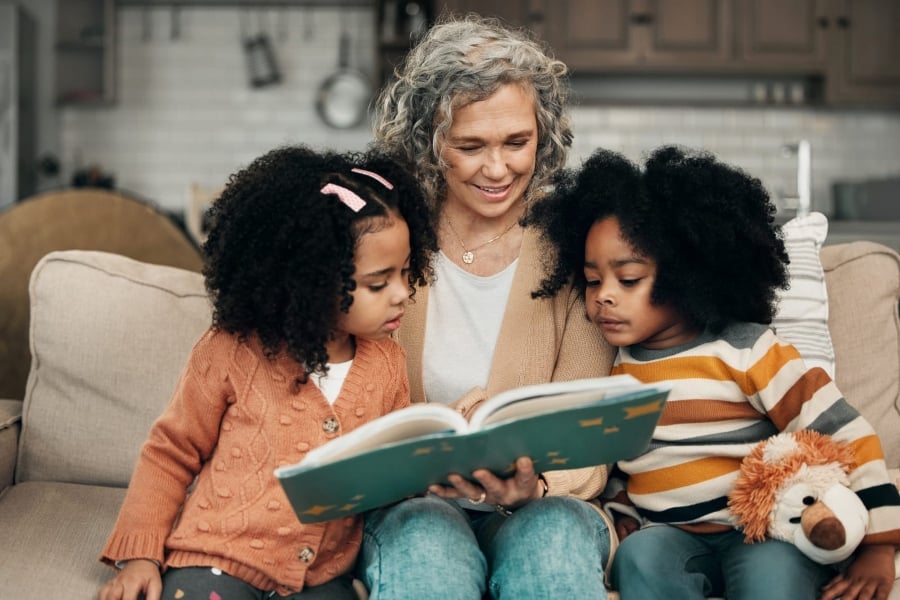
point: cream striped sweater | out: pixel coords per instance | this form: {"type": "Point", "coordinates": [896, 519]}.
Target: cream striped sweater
{"type": "Point", "coordinates": [732, 391]}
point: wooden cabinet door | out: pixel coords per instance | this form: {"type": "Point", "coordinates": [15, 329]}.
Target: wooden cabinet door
{"type": "Point", "coordinates": [603, 35]}
{"type": "Point", "coordinates": [864, 66]}
{"type": "Point", "coordinates": [775, 35]}
{"type": "Point", "coordinates": [514, 12]}
{"type": "Point", "coordinates": [590, 35]}
{"type": "Point", "coordinates": [692, 34]}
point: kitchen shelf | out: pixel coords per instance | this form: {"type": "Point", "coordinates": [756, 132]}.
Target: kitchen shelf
{"type": "Point", "coordinates": [84, 48]}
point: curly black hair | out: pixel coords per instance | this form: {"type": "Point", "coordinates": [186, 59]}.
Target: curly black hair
{"type": "Point", "coordinates": [709, 227]}
{"type": "Point", "coordinates": [278, 261]}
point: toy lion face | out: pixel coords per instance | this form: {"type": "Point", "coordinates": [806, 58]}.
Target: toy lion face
{"type": "Point", "coordinates": [794, 487]}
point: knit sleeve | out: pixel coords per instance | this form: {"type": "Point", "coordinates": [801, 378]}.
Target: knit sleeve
{"type": "Point", "coordinates": [180, 440]}
{"type": "Point", "coordinates": [582, 353]}
{"type": "Point", "coordinates": [796, 397]}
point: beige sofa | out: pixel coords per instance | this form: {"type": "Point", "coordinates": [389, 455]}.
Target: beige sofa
{"type": "Point", "coordinates": [109, 335]}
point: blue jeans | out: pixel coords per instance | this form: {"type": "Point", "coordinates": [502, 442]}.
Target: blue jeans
{"type": "Point", "coordinates": [431, 548]}
{"type": "Point", "coordinates": [662, 561]}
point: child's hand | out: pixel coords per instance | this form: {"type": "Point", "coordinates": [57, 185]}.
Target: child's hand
{"type": "Point", "coordinates": [869, 577]}
{"type": "Point", "coordinates": [139, 575]}
{"type": "Point", "coordinates": [626, 525]}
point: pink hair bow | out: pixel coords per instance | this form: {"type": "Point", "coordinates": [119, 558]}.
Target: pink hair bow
{"type": "Point", "coordinates": [348, 197]}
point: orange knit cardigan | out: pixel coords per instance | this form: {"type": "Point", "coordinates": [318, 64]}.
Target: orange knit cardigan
{"type": "Point", "coordinates": [234, 417]}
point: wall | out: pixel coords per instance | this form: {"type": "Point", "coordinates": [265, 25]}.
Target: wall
{"type": "Point", "coordinates": [186, 113]}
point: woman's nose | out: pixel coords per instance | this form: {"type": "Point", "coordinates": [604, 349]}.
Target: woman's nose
{"type": "Point", "coordinates": [494, 164]}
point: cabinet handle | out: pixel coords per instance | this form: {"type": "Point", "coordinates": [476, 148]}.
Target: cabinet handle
{"type": "Point", "coordinates": [843, 22]}
{"type": "Point", "coordinates": [641, 19]}
{"type": "Point", "coordinates": [823, 22]}
{"type": "Point", "coordinates": [535, 17]}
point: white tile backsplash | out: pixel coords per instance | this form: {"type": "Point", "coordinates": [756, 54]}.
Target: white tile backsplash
{"type": "Point", "coordinates": [185, 112]}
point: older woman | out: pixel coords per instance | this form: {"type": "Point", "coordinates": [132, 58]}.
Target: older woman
{"type": "Point", "coordinates": [479, 112]}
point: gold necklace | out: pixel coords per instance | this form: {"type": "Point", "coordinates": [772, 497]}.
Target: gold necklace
{"type": "Point", "coordinates": [468, 255]}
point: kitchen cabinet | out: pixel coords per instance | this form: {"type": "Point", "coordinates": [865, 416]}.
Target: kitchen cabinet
{"type": "Point", "coordinates": [18, 117]}
{"type": "Point", "coordinates": [851, 44]}
{"type": "Point", "coordinates": [85, 51]}
{"type": "Point", "coordinates": [840, 52]}
{"type": "Point", "coordinates": [620, 35]}
{"type": "Point", "coordinates": [863, 68]}
{"type": "Point", "coordinates": [641, 35]}
{"type": "Point", "coordinates": [775, 36]}
{"type": "Point", "coordinates": [518, 13]}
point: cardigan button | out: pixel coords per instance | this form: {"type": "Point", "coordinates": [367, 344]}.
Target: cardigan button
{"type": "Point", "coordinates": [306, 554]}
{"type": "Point", "coordinates": [331, 425]}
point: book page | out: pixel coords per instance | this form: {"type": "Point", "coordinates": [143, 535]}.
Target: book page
{"type": "Point", "coordinates": [548, 397]}
{"type": "Point", "coordinates": [407, 423]}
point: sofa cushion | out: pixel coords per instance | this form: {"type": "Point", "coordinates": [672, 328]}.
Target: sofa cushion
{"type": "Point", "coordinates": [863, 281]}
{"type": "Point", "coordinates": [802, 317]}
{"type": "Point", "coordinates": [109, 338]}
{"type": "Point", "coordinates": [54, 533]}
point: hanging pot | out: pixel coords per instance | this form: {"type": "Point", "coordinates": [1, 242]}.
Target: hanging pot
{"type": "Point", "coordinates": [343, 98]}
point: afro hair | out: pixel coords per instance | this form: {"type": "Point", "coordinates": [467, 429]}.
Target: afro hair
{"type": "Point", "coordinates": [279, 258]}
{"type": "Point", "coordinates": [709, 227]}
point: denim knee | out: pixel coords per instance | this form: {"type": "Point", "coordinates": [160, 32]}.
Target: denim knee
{"type": "Point", "coordinates": [555, 547]}
{"type": "Point", "coordinates": [421, 548]}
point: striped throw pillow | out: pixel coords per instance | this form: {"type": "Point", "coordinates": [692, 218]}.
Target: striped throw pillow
{"type": "Point", "coordinates": [802, 317]}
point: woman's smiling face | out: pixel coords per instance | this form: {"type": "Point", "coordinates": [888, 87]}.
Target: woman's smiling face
{"type": "Point", "coordinates": [490, 151]}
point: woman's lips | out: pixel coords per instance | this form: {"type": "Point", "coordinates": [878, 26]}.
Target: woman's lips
{"type": "Point", "coordinates": [494, 192]}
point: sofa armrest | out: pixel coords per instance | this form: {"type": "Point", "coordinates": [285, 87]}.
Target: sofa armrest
{"type": "Point", "coordinates": [10, 417]}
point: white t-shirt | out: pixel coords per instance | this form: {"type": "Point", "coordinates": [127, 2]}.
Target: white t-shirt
{"type": "Point", "coordinates": [461, 328]}
{"type": "Point", "coordinates": [331, 384]}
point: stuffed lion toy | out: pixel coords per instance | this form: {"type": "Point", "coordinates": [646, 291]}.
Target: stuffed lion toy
{"type": "Point", "coordinates": [794, 487]}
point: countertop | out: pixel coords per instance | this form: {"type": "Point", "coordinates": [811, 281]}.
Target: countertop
{"type": "Point", "coordinates": [883, 232]}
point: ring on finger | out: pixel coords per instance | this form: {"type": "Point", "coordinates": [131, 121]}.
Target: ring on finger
{"type": "Point", "coordinates": [480, 498]}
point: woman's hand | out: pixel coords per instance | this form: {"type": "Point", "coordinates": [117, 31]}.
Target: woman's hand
{"type": "Point", "coordinates": [137, 576]}
{"type": "Point", "coordinates": [525, 485]}
{"type": "Point", "coordinates": [869, 577]}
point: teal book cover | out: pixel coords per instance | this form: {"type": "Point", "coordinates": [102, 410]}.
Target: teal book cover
{"type": "Point", "coordinates": [560, 425]}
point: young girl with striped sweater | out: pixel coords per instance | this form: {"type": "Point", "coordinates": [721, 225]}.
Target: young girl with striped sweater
{"type": "Point", "coordinates": [680, 264]}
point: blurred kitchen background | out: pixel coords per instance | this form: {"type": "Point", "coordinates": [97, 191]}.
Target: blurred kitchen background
{"type": "Point", "coordinates": [162, 98]}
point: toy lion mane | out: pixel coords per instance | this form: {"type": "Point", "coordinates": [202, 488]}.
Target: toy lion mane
{"type": "Point", "coordinates": [794, 487]}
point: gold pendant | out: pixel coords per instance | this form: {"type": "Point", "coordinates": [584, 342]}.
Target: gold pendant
{"type": "Point", "coordinates": [468, 257]}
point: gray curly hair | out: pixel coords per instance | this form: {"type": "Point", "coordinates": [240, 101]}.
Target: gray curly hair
{"type": "Point", "coordinates": [460, 61]}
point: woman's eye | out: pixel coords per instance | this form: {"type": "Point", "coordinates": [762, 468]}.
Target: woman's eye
{"type": "Point", "coordinates": [592, 282]}
{"type": "Point", "coordinates": [378, 287]}
{"type": "Point", "coordinates": [629, 282]}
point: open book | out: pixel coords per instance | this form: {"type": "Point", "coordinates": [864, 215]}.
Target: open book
{"type": "Point", "coordinates": [560, 425]}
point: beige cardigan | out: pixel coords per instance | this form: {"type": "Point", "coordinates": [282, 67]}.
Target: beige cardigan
{"type": "Point", "coordinates": [543, 340]}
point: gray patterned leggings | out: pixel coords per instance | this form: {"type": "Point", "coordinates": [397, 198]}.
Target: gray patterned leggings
{"type": "Point", "coordinates": [205, 583]}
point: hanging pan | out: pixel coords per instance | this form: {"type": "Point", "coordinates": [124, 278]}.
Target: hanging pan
{"type": "Point", "coordinates": [343, 98]}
